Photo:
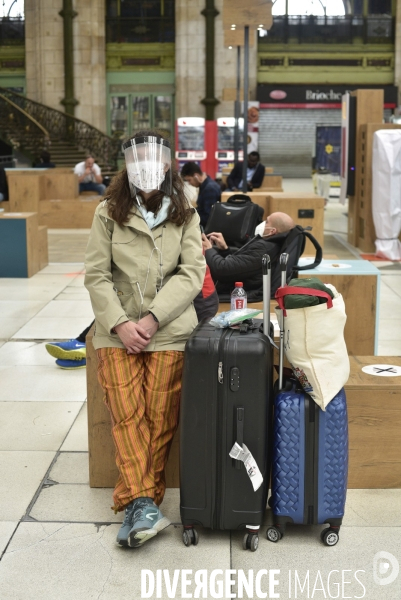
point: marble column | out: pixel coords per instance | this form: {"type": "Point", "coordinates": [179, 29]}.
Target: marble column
{"type": "Point", "coordinates": [45, 59]}
{"type": "Point", "coordinates": [90, 62]}
{"type": "Point", "coordinates": [190, 40]}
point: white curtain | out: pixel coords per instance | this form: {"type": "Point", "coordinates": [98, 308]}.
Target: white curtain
{"type": "Point", "coordinates": [386, 192]}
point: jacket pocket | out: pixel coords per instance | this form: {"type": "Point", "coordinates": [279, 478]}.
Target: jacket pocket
{"type": "Point", "coordinates": [128, 295]}
{"type": "Point", "coordinates": [181, 328]}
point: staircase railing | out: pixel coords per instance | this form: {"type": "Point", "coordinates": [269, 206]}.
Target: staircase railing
{"type": "Point", "coordinates": [63, 127]}
{"type": "Point", "coordinates": [20, 129]}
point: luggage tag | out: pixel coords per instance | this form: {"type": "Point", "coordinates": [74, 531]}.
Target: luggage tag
{"type": "Point", "coordinates": [243, 454]}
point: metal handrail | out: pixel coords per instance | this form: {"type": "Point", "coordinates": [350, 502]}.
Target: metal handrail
{"type": "Point", "coordinates": [19, 129]}
{"type": "Point", "coordinates": [63, 127]}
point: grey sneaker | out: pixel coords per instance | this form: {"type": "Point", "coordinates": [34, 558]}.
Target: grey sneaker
{"type": "Point", "coordinates": [147, 522]}
{"type": "Point", "coordinates": [122, 535]}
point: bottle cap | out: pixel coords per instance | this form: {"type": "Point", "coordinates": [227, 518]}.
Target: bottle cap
{"type": "Point", "coordinates": [238, 284]}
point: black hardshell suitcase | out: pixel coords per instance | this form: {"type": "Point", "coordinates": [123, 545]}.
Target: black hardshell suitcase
{"type": "Point", "coordinates": [226, 398]}
{"type": "Point", "coordinates": [236, 219]}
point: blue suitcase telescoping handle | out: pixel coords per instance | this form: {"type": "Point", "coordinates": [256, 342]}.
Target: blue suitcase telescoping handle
{"type": "Point", "coordinates": [283, 268]}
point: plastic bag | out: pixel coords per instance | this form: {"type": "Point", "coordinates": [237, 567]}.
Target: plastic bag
{"type": "Point", "coordinates": [233, 317]}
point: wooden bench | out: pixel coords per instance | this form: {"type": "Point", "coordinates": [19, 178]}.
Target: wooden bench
{"type": "Point", "coordinates": [54, 195]}
{"type": "Point", "coordinates": [76, 213]}
{"type": "Point", "coordinates": [374, 418]}
{"type": "Point", "coordinates": [28, 188]}
{"type": "Point", "coordinates": [102, 467]}
{"type": "Point", "coordinates": [24, 244]}
{"type": "Point", "coordinates": [226, 171]}
{"type": "Point", "coordinates": [359, 282]}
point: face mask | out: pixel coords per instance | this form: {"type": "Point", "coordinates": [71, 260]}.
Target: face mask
{"type": "Point", "coordinates": [146, 175]}
{"type": "Point", "coordinates": [260, 228]}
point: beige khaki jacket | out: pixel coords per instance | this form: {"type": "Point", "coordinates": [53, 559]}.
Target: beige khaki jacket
{"type": "Point", "coordinates": [131, 270]}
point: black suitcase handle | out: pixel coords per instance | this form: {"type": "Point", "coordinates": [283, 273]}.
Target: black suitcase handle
{"type": "Point", "coordinates": [240, 431]}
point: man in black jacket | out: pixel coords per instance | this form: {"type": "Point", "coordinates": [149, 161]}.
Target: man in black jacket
{"type": "Point", "coordinates": [255, 174]}
{"type": "Point", "coordinates": [228, 265]}
{"type": "Point", "coordinates": [209, 190]}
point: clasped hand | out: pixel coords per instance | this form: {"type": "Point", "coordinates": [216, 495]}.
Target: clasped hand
{"type": "Point", "coordinates": [136, 336]}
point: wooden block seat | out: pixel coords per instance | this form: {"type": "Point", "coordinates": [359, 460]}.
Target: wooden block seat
{"type": "Point", "coordinates": [23, 245]}
{"type": "Point", "coordinates": [102, 467]}
{"type": "Point", "coordinates": [227, 170]}
{"type": "Point", "coordinates": [76, 213]}
{"type": "Point", "coordinates": [374, 418]}
{"type": "Point", "coordinates": [359, 283]}
{"type": "Point", "coordinates": [28, 188]}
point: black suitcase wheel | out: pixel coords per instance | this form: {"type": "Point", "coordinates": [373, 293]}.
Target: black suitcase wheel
{"type": "Point", "coordinates": [190, 536]}
{"type": "Point", "coordinates": [250, 542]}
{"type": "Point", "coordinates": [329, 536]}
{"type": "Point", "coordinates": [273, 534]}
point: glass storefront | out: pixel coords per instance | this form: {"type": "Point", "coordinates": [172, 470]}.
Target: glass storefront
{"type": "Point", "coordinates": [131, 112]}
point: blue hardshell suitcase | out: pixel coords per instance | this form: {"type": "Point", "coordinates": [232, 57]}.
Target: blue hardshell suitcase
{"type": "Point", "coordinates": [310, 461]}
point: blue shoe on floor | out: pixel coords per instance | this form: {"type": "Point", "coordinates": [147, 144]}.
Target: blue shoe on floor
{"type": "Point", "coordinates": [122, 535]}
{"type": "Point", "coordinates": [147, 521]}
{"type": "Point", "coordinates": [71, 364]}
{"type": "Point", "coordinates": [71, 350]}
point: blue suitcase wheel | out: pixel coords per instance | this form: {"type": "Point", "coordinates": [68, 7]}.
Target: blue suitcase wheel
{"type": "Point", "coordinates": [273, 534]}
{"type": "Point", "coordinates": [250, 542]}
{"type": "Point", "coordinates": [329, 536]}
{"type": "Point", "coordinates": [190, 536]}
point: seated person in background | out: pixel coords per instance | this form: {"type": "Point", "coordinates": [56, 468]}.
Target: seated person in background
{"type": "Point", "coordinates": [70, 354]}
{"type": "Point", "coordinates": [228, 265]}
{"type": "Point", "coordinates": [254, 176]}
{"type": "Point", "coordinates": [89, 176]}
{"type": "Point", "coordinates": [44, 161]}
{"type": "Point", "coordinates": [209, 190]}
{"type": "Point", "coordinates": [206, 302]}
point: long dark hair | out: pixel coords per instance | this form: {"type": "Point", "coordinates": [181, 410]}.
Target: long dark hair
{"type": "Point", "coordinates": [121, 204]}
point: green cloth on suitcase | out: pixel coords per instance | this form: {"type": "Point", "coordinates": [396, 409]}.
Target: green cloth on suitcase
{"type": "Point", "coordinates": [301, 300]}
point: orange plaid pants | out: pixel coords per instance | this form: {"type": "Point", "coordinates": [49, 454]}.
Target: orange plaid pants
{"type": "Point", "coordinates": [142, 393]}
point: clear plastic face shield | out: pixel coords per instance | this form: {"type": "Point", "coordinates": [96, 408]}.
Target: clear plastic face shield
{"type": "Point", "coordinates": [148, 162]}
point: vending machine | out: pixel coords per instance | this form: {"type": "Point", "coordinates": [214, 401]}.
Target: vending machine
{"type": "Point", "coordinates": [224, 153]}
{"type": "Point", "coordinates": [190, 141]}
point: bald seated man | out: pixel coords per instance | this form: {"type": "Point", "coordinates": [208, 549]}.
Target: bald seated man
{"type": "Point", "coordinates": [228, 265]}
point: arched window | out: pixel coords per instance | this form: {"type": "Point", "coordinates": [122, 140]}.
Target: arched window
{"type": "Point", "coordinates": [309, 7]}
{"type": "Point", "coordinates": [13, 8]}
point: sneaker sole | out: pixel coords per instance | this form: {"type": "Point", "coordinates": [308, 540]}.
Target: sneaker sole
{"type": "Point", "coordinates": [138, 538]}
{"type": "Point", "coordinates": [72, 368]}
{"type": "Point", "coordinates": [57, 352]}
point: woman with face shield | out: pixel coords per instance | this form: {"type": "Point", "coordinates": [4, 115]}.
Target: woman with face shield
{"type": "Point", "coordinates": [144, 267]}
